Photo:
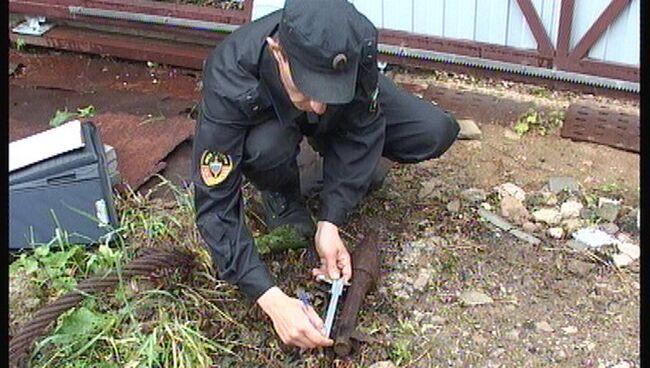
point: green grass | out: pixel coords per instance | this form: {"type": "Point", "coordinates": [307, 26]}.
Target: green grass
{"type": "Point", "coordinates": [63, 116]}
{"type": "Point", "coordinates": [155, 328]}
{"type": "Point", "coordinates": [541, 123]}
{"type": "Point", "coordinates": [186, 319]}
{"type": "Point", "coordinates": [20, 44]}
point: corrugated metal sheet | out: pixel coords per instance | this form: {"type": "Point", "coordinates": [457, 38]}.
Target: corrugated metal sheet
{"type": "Point", "coordinates": [499, 22]}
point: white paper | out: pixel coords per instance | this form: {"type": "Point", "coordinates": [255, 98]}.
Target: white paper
{"type": "Point", "coordinates": [41, 146]}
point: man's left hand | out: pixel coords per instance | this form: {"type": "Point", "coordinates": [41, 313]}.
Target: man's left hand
{"type": "Point", "coordinates": [334, 256]}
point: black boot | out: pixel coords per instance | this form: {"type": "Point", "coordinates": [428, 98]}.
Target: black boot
{"type": "Point", "coordinates": [287, 207]}
{"type": "Point", "coordinates": [379, 175]}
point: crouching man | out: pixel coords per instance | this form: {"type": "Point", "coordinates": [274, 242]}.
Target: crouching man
{"type": "Point", "coordinates": [309, 69]}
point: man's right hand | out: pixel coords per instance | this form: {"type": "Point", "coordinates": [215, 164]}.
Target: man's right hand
{"type": "Point", "coordinates": [295, 323]}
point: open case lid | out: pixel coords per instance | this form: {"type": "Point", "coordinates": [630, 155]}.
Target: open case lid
{"type": "Point", "coordinates": [44, 145]}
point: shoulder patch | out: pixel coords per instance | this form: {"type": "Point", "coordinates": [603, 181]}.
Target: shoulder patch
{"type": "Point", "coordinates": [215, 167]}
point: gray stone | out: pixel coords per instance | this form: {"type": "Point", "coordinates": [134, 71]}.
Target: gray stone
{"type": "Point", "coordinates": [587, 213]}
{"type": "Point", "coordinates": [513, 209]}
{"type": "Point", "coordinates": [453, 206]}
{"type": "Point", "coordinates": [543, 327]}
{"type": "Point", "coordinates": [556, 232]}
{"type": "Point", "coordinates": [571, 209]}
{"type": "Point", "coordinates": [569, 330]}
{"type": "Point", "coordinates": [608, 209]}
{"type": "Point", "coordinates": [609, 228]}
{"type": "Point", "coordinates": [509, 134]}
{"type": "Point", "coordinates": [513, 334]}
{"type": "Point", "coordinates": [525, 236]}
{"type": "Point", "coordinates": [473, 195]}
{"type": "Point", "coordinates": [622, 364]}
{"type": "Point", "coordinates": [632, 250]}
{"type": "Point", "coordinates": [576, 245]}
{"type": "Point", "coordinates": [557, 184]}
{"type": "Point", "coordinates": [512, 190]}
{"type": "Point", "coordinates": [469, 129]}
{"type": "Point", "coordinates": [622, 260]}
{"type": "Point", "coordinates": [594, 237]}
{"type": "Point", "coordinates": [580, 268]}
{"type": "Point", "coordinates": [12, 68]}
{"type": "Point", "coordinates": [430, 189]}
{"type": "Point", "coordinates": [383, 364]}
{"type": "Point", "coordinates": [437, 320]}
{"type": "Point", "coordinates": [417, 315]}
{"type": "Point", "coordinates": [549, 216]}
{"type": "Point", "coordinates": [472, 298]}
{"type": "Point", "coordinates": [572, 224]}
{"type": "Point", "coordinates": [495, 219]}
{"type": "Point", "coordinates": [422, 280]}
{"type": "Point", "coordinates": [560, 355]}
{"type": "Point", "coordinates": [529, 227]}
{"type": "Point", "coordinates": [629, 221]}
{"type": "Point", "coordinates": [624, 238]}
{"type": "Point", "coordinates": [550, 199]}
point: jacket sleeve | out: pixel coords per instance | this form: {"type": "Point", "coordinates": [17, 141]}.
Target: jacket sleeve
{"type": "Point", "coordinates": [350, 157]}
{"type": "Point", "coordinates": [217, 177]}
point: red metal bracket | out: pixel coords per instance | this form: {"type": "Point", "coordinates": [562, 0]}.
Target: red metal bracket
{"type": "Point", "coordinates": [596, 30]}
{"type": "Point", "coordinates": [544, 44]}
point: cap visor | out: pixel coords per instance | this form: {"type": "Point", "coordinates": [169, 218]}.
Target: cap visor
{"type": "Point", "coordinates": [330, 88]}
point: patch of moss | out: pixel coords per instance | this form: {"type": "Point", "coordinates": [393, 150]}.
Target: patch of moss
{"type": "Point", "coordinates": [281, 238]}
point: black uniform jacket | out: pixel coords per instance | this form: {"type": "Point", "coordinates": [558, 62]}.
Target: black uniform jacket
{"type": "Point", "coordinates": [241, 88]}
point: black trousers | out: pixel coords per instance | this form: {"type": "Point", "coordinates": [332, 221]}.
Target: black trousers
{"type": "Point", "coordinates": [416, 130]}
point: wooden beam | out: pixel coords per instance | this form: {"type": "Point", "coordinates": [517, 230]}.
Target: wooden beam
{"type": "Point", "coordinates": [248, 10]}
{"type": "Point", "coordinates": [594, 33]}
{"type": "Point", "coordinates": [564, 32]}
{"type": "Point", "coordinates": [544, 44]}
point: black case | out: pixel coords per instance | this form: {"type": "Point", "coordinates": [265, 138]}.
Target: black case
{"type": "Point", "coordinates": [70, 192]}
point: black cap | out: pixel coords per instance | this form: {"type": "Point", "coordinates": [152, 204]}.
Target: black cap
{"type": "Point", "coordinates": [324, 40]}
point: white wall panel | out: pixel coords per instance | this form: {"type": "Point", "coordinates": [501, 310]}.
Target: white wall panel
{"type": "Point", "coordinates": [549, 13]}
{"type": "Point", "coordinates": [585, 13]}
{"type": "Point", "coordinates": [264, 7]}
{"type": "Point", "coordinates": [372, 9]}
{"type": "Point", "coordinates": [398, 15]}
{"type": "Point", "coordinates": [429, 17]}
{"type": "Point", "coordinates": [620, 42]}
{"type": "Point", "coordinates": [518, 34]}
{"type": "Point", "coordinates": [499, 22]}
{"type": "Point", "coordinates": [491, 21]}
{"type": "Point", "coordinates": [459, 19]}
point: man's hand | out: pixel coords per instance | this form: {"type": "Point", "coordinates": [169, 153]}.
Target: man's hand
{"type": "Point", "coordinates": [334, 256]}
{"type": "Point", "coordinates": [295, 323]}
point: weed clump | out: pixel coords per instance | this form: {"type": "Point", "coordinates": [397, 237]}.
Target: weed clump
{"type": "Point", "coordinates": [538, 122]}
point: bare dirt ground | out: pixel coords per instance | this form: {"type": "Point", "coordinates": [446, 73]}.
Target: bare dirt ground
{"type": "Point", "coordinates": [544, 305]}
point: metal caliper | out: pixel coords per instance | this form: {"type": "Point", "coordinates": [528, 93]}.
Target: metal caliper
{"type": "Point", "coordinates": [335, 293]}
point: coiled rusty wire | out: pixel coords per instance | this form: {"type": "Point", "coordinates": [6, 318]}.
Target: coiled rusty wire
{"type": "Point", "coordinates": [150, 262]}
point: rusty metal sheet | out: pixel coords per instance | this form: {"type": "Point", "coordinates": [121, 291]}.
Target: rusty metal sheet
{"type": "Point", "coordinates": [123, 46]}
{"type": "Point", "coordinates": [481, 108]}
{"type": "Point", "coordinates": [32, 108]}
{"type": "Point", "coordinates": [141, 146]}
{"type": "Point", "coordinates": [60, 9]}
{"type": "Point", "coordinates": [600, 124]}
{"type": "Point", "coordinates": [68, 72]}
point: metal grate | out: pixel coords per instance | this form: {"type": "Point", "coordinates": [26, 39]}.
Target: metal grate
{"type": "Point", "coordinates": [599, 124]}
{"type": "Point", "coordinates": [480, 107]}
